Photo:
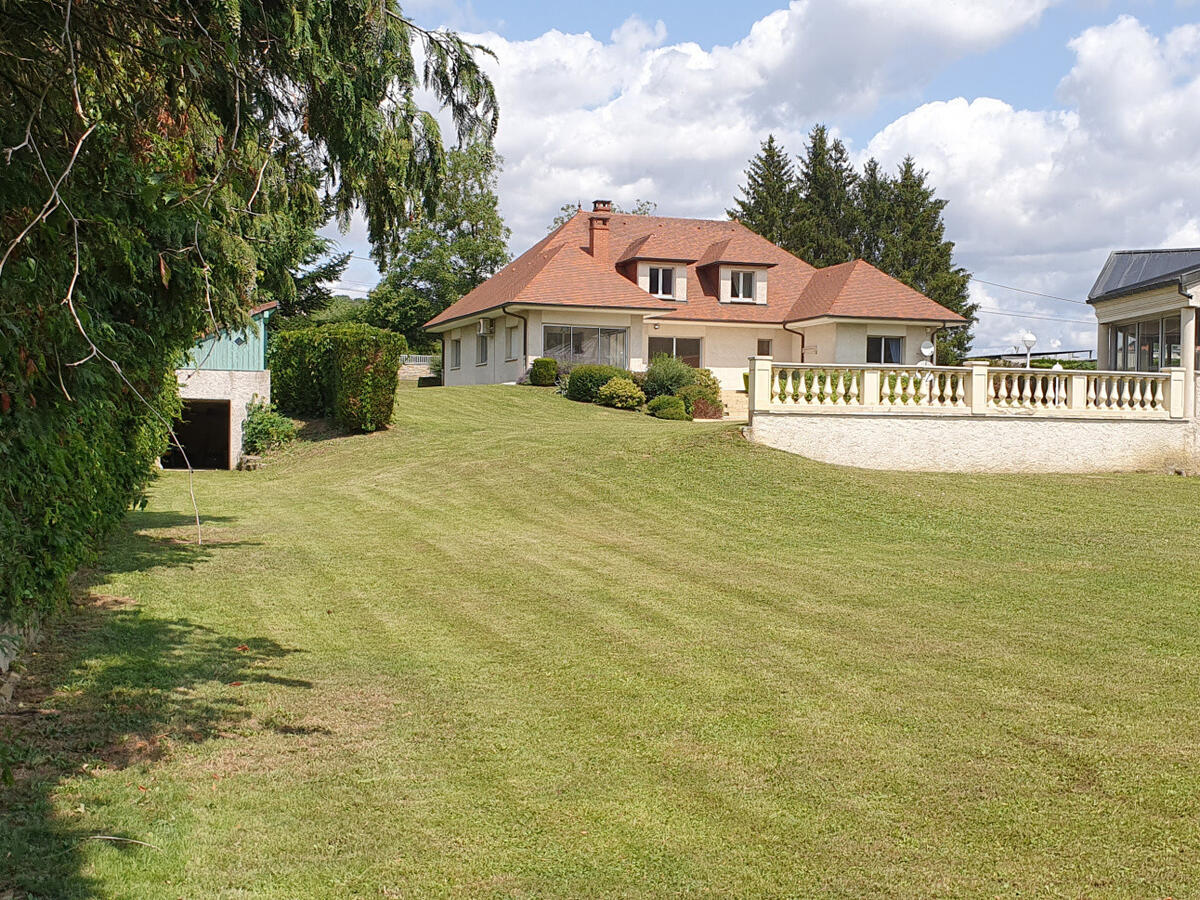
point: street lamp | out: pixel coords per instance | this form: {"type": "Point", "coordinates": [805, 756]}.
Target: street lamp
{"type": "Point", "coordinates": [1030, 342]}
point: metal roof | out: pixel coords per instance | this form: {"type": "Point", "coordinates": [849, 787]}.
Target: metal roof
{"type": "Point", "coordinates": [1127, 271]}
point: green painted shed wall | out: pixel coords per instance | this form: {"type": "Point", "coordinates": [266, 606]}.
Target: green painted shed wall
{"type": "Point", "coordinates": [242, 351]}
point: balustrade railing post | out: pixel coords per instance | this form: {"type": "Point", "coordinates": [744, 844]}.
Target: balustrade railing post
{"type": "Point", "coordinates": [759, 386]}
{"type": "Point", "coordinates": [1077, 383]}
{"type": "Point", "coordinates": [977, 387]}
{"type": "Point", "coordinates": [1175, 399]}
{"type": "Point", "coordinates": [870, 387]}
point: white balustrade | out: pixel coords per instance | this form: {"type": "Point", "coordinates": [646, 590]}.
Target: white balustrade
{"type": "Point", "coordinates": [969, 390]}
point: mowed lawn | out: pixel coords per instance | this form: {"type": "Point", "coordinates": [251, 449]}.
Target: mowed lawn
{"type": "Point", "coordinates": [517, 646]}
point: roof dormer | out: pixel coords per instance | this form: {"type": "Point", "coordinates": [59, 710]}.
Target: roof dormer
{"type": "Point", "coordinates": [743, 284]}
{"type": "Point", "coordinates": [665, 279]}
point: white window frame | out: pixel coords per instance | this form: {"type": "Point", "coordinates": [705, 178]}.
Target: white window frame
{"type": "Point", "coordinates": [481, 350]}
{"type": "Point", "coordinates": [737, 281]}
{"type": "Point", "coordinates": [455, 353]}
{"type": "Point", "coordinates": [651, 272]}
{"type": "Point", "coordinates": [512, 342]}
{"type": "Point", "coordinates": [600, 330]}
{"type": "Point", "coordinates": [883, 339]}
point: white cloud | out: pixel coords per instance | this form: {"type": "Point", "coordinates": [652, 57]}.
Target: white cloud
{"type": "Point", "coordinates": [635, 116]}
{"type": "Point", "coordinates": [1039, 198]}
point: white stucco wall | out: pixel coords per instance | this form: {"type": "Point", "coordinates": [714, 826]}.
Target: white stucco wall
{"type": "Point", "coordinates": [239, 388]}
{"type": "Point", "coordinates": [724, 348]}
{"type": "Point", "coordinates": [932, 443]}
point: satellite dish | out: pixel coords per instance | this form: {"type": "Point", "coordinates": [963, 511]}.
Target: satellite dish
{"type": "Point", "coordinates": [927, 349]}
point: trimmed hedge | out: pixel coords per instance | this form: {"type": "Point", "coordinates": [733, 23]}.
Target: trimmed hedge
{"type": "Point", "coordinates": [585, 381]}
{"type": "Point", "coordinates": [344, 371]}
{"type": "Point", "coordinates": [667, 407]}
{"type": "Point", "coordinates": [544, 371]}
{"type": "Point", "coordinates": [620, 393]}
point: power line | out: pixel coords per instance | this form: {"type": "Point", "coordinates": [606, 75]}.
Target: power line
{"type": "Point", "coordinates": [1009, 287]}
{"type": "Point", "coordinates": [1004, 312]}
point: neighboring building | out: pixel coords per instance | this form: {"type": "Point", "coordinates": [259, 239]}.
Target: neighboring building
{"type": "Point", "coordinates": [224, 373]}
{"type": "Point", "coordinates": [1145, 303]}
{"type": "Point", "coordinates": [622, 289]}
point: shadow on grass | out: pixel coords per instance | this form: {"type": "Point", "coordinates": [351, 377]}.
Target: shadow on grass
{"type": "Point", "coordinates": [111, 687]}
{"type": "Point", "coordinates": [134, 548]}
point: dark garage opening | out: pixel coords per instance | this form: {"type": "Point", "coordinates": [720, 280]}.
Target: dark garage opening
{"type": "Point", "coordinates": [204, 433]}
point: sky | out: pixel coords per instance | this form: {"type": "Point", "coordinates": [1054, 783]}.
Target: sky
{"type": "Point", "coordinates": [1056, 132]}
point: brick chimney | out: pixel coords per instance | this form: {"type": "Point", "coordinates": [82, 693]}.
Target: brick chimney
{"type": "Point", "coordinates": [598, 229]}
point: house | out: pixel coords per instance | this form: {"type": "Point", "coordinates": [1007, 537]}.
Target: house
{"type": "Point", "coordinates": [224, 373]}
{"type": "Point", "coordinates": [622, 289]}
{"type": "Point", "coordinates": [1145, 303]}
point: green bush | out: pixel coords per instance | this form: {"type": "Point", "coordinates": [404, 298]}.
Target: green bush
{"type": "Point", "coordinates": [620, 393]}
{"type": "Point", "coordinates": [544, 371]}
{"type": "Point", "coordinates": [706, 379]}
{"type": "Point", "coordinates": [365, 362]}
{"type": "Point", "coordinates": [585, 381]}
{"type": "Point", "coordinates": [701, 401]}
{"type": "Point", "coordinates": [666, 375]}
{"type": "Point", "coordinates": [665, 406]}
{"type": "Point", "coordinates": [265, 429]}
{"type": "Point", "coordinates": [346, 371]}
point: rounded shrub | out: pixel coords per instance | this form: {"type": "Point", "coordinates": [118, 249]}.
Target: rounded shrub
{"type": "Point", "coordinates": [585, 381]}
{"type": "Point", "coordinates": [620, 393]}
{"type": "Point", "coordinates": [544, 371]}
{"type": "Point", "coordinates": [666, 406]}
{"type": "Point", "coordinates": [701, 401]}
{"type": "Point", "coordinates": [666, 375]}
{"type": "Point", "coordinates": [265, 429]}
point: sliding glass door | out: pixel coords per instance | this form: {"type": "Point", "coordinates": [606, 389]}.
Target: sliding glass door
{"type": "Point", "coordinates": [575, 345]}
{"type": "Point", "coordinates": [687, 349]}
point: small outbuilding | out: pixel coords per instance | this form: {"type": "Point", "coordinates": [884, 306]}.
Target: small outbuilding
{"type": "Point", "coordinates": [224, 374]}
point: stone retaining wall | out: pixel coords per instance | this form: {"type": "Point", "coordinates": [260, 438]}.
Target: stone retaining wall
{"type": "Point", "coordinates": [943, 443]}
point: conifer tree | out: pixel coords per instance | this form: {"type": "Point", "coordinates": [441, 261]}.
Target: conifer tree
{"type": "Point", "coordinates": [915, 251]}
{"type": "Point", "coordinates": [770, 197]}
{"type": "Point", "coordinates": [873, 200]}
{"type": "Point", "coordinates": [825, 227]}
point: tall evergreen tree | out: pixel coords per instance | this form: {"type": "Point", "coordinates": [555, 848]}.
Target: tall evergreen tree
{"type": "Point", "coordinates": [874, 223]}
{"type": "Point", "coordinates": [827, 222]}
{"type": "Point", "coordinates": [770, 197]}
{"type": "Point", "coordinates": [915, 251]}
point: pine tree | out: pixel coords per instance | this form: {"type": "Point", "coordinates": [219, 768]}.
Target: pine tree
{"type": "Point", "coordinates": [915, 251]}
{"type": "Point", "coordinates": [824, 230]}
{"type": "Point", "coordinates": [770, 198]}
{"type": "Point", "coordinates": [873, 200]}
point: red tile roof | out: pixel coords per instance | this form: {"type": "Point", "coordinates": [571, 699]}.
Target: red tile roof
{"type": "Point", "coordinates": [559, 271]}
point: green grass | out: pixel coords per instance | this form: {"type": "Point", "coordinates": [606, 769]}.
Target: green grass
{"type": "Point", "coordinates": [517, 646]}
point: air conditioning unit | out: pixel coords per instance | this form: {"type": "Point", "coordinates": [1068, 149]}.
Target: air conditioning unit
{"type": "Point", "coordinates": [487, 327]}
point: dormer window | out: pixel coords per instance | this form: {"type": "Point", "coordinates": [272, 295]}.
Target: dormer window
{"type": "Point", "coordinates": [741, 286]}
{"type": "Point", "coordinates": [662, 281]}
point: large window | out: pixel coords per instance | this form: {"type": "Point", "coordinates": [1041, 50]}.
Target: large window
{"type": "Point", "coordinates": [662, 281]}
{"type": "Point", "coordinates": [741, 286]}
{"type": "Point", "coordinates": [455, 353]}
{"type": "Point", "coordinates": [687, 349]}
{"type": "Point", "coordinates": [1148, 345]}
{"type": "Point", "coordinates": [575, 345]}
{"type": "Point", "coordinates": [886, 350]}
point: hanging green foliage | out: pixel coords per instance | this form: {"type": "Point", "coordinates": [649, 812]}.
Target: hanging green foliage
{"type": "Point", "coordinates": [164, 168]}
